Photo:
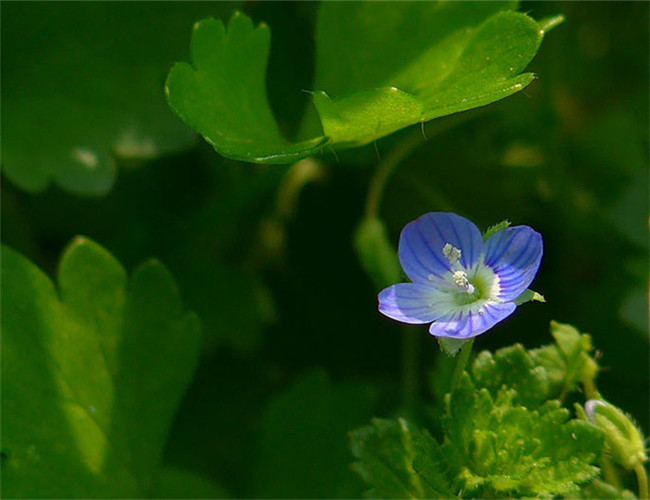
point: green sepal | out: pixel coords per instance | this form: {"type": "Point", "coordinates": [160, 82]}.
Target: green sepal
{"type": "Point", "coordinates": [495, 229]}
{"type": "Point", "coordinates": [451, 346]}
{"type": "Point", "coordinates": [528, 296]}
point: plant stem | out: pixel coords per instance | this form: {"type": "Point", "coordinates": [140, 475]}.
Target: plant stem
{"type": "Point", "coordinates": [642, 480]}
{"type": "Point", "coordinates": [609, 473]}
{"type": "Point", "coordinates": [410, 368]}
{"type": "Point", "coordinates": [461, 363]}
{"type": "Point", "coordinates": [384, 171]}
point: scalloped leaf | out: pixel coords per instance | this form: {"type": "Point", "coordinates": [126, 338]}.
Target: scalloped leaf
{"type": "Point", "coordinates": [108, 360]}
{"type": "Point", "coordinates": [380, 67]}
{"type": "Point", "coordinates": [500, 449]}
{"type": "Point", "coordinates": [222, 94]}
{"type": "Point", "coordinates": [385, 453]}
{"type": "Point", "coordinates": [568, 361]}
{"type": "Point", "coordinates": [512, 368]}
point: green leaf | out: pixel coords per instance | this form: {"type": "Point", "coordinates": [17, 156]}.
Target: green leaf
{"type": "Point", "coordinates": [361, 117]}
{"type": "Point", "coordinates": [568, 362]}
{"type": "Point", "coordinates": [380, 67]}
{"type": "Point", "coordinates": [82, 88]}
{"type": "Point", "coordinates": [390, 65]}
{"type": "Point", "coordinates": [385, 453]}
{"type": "Point", "coordinates": [109, 358]}
{"type": "Point", "coordinates": [511, 368]}
{"type": "Point", "coordinates": [222, 94]}
{"type": "Point", "coordinates": [303, 450]}
{"type": "Point", "coordinates": [501, 449]}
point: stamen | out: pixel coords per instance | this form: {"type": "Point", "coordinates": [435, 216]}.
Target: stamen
{"type": "Point", "coordinates": [451, 253]}
{"type": "Point", "coordinates": [461, 281]}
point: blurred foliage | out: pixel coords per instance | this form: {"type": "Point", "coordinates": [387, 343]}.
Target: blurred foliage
{"type": "Point", "coordinates": [88, 79]}
{"type": "Point", "coordinates": [277, 286]}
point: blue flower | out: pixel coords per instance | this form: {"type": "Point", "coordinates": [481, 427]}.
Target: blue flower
{"type": "Point", "coordinates": [460, 284]}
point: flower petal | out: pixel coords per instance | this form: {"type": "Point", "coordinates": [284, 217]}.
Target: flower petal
{"type": "Point", "coordinates": [421, 243]}
{"type": "Point", "coordinates": [514, 254]}
{"type": "Point", "coordinates": [469, 322]}
{"type": "Point", "coordinates": [414, 303]}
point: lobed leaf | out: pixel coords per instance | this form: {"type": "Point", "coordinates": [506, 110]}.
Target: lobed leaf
{"type": "Point", "coordinates": [501, 449]}
{"type": "Point", "coordinates": [380, 67]}
{"type": "Point", "coordinates": [386, 451]}
{"type": "Point", "coordinates": [568, 361]}
{"type": "Point", "coordinates": [222, 94]}
{"type": "Point", "coordinates": [512, 368]}
{"type": "Point", "coordinates": [109, 358]}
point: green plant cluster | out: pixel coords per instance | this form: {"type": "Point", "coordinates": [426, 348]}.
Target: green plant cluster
{"type": "Point", "coordinates": [504, 433]}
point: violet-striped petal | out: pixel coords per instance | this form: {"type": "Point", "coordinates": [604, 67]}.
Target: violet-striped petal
{"type": "Point", "coordinates": [422, 241]}
{"type": "Point", "coordinates": [514, 254]}
{"type": "Point", "coordinates": [414, 303]}
{"type": "Point", "coordinates": [467, 322]}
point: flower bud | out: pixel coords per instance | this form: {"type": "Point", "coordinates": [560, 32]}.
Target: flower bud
{"type": "Point", "coordinates": [623, 439]}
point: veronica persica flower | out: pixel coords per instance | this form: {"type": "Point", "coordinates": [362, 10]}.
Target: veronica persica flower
{"type": "Point", "coordinates": [461, 284]}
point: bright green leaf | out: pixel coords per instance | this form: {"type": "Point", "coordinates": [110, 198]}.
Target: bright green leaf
{"type": "Point", "coordinates": [568, 361]}
{"type": "Point", "coordinates": [409, 45]}
{"type": "Point", "coordinates": [380, 67]}
{"type": "Point", "coordinates": [513, 368]}
{"type": "Point", "coordinates": [108, 360]}
{"type": "Point", "coordinates": [222, 95]}
{"type": "Point", "coordinates": [500, 449]}
{"type": "Point", "coordinates": [82, 87]}
{"type": "Point", "coordinates": [361, 117]}
{"type": "Point", "coordinates": [385, 66]}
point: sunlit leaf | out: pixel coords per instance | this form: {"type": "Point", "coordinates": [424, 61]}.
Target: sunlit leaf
{"type": "Point", "coordinates": [380, 67]}
{"type": "Point", "coordinates": [222, 94]}
{"type": "Point", "coordinates": [92, 374]}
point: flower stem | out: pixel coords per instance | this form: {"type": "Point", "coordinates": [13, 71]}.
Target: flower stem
{"type": "Point", "coordinates": [463, 357]}
{"type": "Point", "coordinates": [410, 368]}
{"type": "Point", "coordinates": [642, 480]}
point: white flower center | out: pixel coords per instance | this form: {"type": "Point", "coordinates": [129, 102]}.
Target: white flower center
{"type": "Point", "coordinates": [459, 276]}
{"type": "Point", "coordinates": [462, 282]}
